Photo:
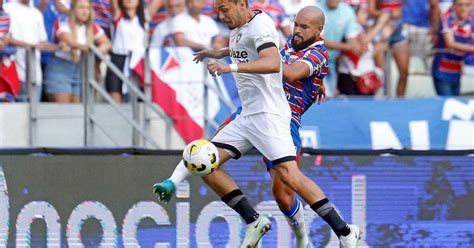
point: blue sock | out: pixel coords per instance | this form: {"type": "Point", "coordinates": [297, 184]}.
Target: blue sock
{"type": "Point", "coordinates": [293, 210]}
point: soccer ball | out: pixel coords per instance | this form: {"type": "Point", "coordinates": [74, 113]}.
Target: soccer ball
{"type": "Point", "coordinates": [201, 157]}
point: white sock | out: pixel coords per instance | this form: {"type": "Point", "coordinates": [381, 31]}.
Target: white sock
{"type": "Point", "coordinates": [298, 226]}
{"type": "Point", "coordinates": [179, 173]}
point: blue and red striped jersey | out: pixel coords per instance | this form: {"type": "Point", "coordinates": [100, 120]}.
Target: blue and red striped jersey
{"type": "Point", "coordinates": [302, 94]}
{"type": "Point", "coordinates": [272, 8]}
{"type": "Point", "coordinates": [447, 63]}
{"type": "Point", "coordinates": [102, 13]}
{"type": "Point", "coordinates": [4, 24]}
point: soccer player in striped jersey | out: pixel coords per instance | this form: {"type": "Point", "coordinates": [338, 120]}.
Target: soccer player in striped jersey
{"type": "Point", "coordinates": [304, 66]}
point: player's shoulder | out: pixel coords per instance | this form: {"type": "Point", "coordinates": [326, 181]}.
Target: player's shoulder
{"type": "Point", "coordinates": [261, 19]}
{"type": "Point", "coordinates": [317, 52]}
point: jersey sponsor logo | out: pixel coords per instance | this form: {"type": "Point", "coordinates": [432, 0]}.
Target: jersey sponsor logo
{"type": "Point", "coordinates": [240, 56]}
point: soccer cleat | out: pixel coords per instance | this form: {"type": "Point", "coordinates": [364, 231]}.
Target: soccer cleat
{"type": "Point", "coordinates": [351, 240]}
{"type": "Point", "coordinates": [165, 190]}
{"type": "Point", "coordinates": [255, 231]}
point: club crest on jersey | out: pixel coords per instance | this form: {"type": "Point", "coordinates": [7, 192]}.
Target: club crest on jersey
{"type": "Point", "coordinates": [237, 39]}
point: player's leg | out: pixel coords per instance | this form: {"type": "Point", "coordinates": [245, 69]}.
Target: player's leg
{"type": "Point", "coordinates": [271, 135]}
{"type": "Point", "coordinates": [290, 205]}
{"type": "Point", "coordinates": [166, 188]}
{"type": "Point", "coordinates": [232, 140]}
{"type": "Point", "coordinates": [293, 210]}
{"type": "Point", "coordinates": [289, 174]}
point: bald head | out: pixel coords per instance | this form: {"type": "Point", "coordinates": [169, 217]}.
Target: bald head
{"type": "Point", "coordinates": [309, 23]}
{"type": "Point", "coordinates": [314, 14]}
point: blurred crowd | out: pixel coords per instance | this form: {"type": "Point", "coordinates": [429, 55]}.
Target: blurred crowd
{"type": "Point", "coordinates": [358, 34]}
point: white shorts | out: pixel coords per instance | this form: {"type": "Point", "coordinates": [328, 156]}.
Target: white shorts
{"type": "Point", "coordinates": [268, 133]}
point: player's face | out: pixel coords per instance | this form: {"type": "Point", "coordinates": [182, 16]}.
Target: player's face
{"type": "Point", "coordinates": [305, 31]}
{"type": "Point", "coordinates": [230, 13]}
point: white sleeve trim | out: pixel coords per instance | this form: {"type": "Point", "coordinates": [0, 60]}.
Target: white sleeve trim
{"type": "Point", "coordinates": [311, 71]}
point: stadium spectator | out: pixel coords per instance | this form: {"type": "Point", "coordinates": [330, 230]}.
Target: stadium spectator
{"type": "Point", "coordinates": [50, 15]}
{"type": "Point", "coordinates": [444, 5]}
{"type": "Point", "coordinates": [454, 43]}
{"type": "Point", "coordinates": [156, 18]}
{"type": "Point", "coordinates": [195, 30]}
{"type": "Point", "coordinates": [103, 15]}
{"type": "Point", "coordinates": [74, 34]}
{"type": "Point", "coordinates": [102, 12]}
{"type": "Point", "coordinates": [27, 32]}
{"type": "Point", "coordinates": [130, 35]}
{"type": "Point", "coordinates": [421, 20]}
{"type": "Point", "coordinates": [291, 7]}
{"type": "Point", "coordinates": [358, 74]}
{"type": "Point", "coordinates": [340, 33]}
{"type": "Point", "coordinates": [163, 34]}
{"type": "Point", "coordinates": [62, 6]}
{"type": "Point", "coordinates": [277, 13]}
{"type": "Point", "coordinates": [4, 27]}
{"type": "Point", "coordinates": [9, 83]}
{"type": "Point", "coordinates": [397, 40]}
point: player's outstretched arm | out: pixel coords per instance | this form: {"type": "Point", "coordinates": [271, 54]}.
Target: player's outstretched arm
{"type": "Point", "coordinates": [214, 54]}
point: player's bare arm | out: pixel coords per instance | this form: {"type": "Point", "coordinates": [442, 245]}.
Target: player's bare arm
{"type": "Point", "coordinates": [299, 70]}
{"type": "Point", "coordinates": [295, 71]}
{"type": "Point", "coordinates": [213, 54]}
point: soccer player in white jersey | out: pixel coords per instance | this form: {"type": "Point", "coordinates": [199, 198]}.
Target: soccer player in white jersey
{"type": "Point", "coordinates": [305, 65]}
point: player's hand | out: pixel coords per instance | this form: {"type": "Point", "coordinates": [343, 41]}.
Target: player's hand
{"type": "Point", "coordinates": [201, 55]}
{"type": "Point", "coordinates": [321, 97]}
{"type": "Point", "coordinates": [217, 68]}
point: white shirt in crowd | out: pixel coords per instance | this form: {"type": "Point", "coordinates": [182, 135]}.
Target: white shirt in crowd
{"type": "Point", "coordinates": [163, 33]}
{"type": "Point", "coordinates": [292, 7]}
{"type": "Point", "coordinates": [26, 24]}
{"type": "Point", "coordinates": [365, 62]}
{"type": "Point", "coordinates": [258, 92]}
{"type": "Point", "coordinates": [129, 36]}
{"type": "Point", "coordinates": [81, 36]}
{"type": "Point", "coordinates": [201, 31]}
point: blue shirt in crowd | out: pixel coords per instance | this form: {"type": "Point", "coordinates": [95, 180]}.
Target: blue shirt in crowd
{"type": "Point", "coordinates": [416, 13]}
{"type": "Point", "coordinates": [340, 23]}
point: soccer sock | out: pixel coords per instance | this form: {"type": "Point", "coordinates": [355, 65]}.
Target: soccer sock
{"type": "Point", "coordinates": [295, 218]}
{"type": "Point", "coordinates": [179, 173]}
{"type": "Point", "coordinates": [326, 210]}
{"type": "Point", "coordinates": [237, 201]}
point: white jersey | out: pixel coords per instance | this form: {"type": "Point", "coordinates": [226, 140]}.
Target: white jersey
{"type": "Point", "coordinates": [258, 92]}
{"type": "Point", "coordinates": [201, 32]}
